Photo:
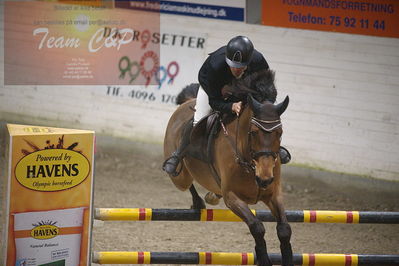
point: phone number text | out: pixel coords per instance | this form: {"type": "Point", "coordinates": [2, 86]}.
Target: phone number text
{"type": "Point", "coordinates": [337, 21]}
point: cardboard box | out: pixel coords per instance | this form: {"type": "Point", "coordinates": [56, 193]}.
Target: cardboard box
{"type": "Point", "coordinates": [48, 196]}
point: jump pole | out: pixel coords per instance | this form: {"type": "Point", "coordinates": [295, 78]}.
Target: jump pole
{"type": "Point", "coordinates": [224, 215]}
{"type": "Point", "coordinates": [126, 257]}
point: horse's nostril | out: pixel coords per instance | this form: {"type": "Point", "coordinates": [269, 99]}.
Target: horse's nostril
{"type": "Point", "coordinates": [264, 183]}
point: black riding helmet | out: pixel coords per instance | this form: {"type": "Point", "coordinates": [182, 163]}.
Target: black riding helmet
{"type": "Point", "coordinates": [239, 52]}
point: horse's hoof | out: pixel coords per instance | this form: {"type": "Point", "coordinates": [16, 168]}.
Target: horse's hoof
{"type": "Point", "coordinates": [211, 198]}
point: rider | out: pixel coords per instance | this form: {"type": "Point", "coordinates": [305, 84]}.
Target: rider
{"type": "Point", "coordinates": [237, 59]}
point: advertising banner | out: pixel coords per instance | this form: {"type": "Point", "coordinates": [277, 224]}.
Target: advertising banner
{"type": "Point", "coordinates": [182, 54]}
{"type": "Point", "coordinates": [98, 3]}
{"type": "Point", "coordinates": [367, 17]}
{"type": "Point", "coordinates": [48, 197]}
{"type": "Point", "coordinates": [53, 43]}
{"type": "Point", "coordinates": [205, 9]}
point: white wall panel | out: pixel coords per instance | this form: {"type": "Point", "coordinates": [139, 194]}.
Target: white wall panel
{"type": "Point", "coordinates": [344, 91]}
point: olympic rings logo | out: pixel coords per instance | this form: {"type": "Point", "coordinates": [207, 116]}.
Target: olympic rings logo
{"type": "Point", "coordinates": [148, 67]}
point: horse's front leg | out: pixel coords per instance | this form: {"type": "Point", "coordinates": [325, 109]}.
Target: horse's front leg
{"type": "Point", "coordinates": [283, 230]}
{"type": "Point", "coordinates": [241, 209]}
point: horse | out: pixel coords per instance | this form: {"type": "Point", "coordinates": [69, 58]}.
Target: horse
{"type": "Point", "coordinates": [245, 157]}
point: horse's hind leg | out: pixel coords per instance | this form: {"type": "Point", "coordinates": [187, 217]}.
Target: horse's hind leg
{"type": "Point", "coordinates": [183, 182]}
{"type": "Point", "coordinates": [283, 230]}
{"type": "Point", "coordinates": [241, 209]}
{"type": "Point", "coordinates": [198, 202]}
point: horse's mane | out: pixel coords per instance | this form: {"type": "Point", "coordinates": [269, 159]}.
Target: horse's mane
{"type": "Point", "coordinates": [259, 84]}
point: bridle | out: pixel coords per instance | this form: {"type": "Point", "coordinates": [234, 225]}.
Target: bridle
{"type": "Point", "coordinates": [263, 125]}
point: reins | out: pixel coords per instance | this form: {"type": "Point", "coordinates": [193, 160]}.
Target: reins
{"type": "Point", "coordinates": [238, 158]}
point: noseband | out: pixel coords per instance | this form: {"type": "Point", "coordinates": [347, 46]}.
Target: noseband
{"type": "Point", "coordinates": [258, 154]}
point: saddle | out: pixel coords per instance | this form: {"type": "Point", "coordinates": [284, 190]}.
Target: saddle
{"type": "Point", "coordinates": [202, 139]}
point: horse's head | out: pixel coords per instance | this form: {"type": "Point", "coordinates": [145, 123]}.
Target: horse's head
{"type": "Point", "coordinates": [264, 137]}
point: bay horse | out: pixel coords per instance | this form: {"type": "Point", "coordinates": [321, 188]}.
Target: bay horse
{"type": "Point", "coordinates": [246, 158]}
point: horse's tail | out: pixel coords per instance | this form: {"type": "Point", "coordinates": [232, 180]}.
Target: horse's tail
{"type": "Point", "coordinates": [189, 92]}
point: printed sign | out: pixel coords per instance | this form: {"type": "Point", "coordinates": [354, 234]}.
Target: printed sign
{"type": "Point", "coordinates": [68, 169]}
{"type": "Point", "coordinates": [186, 8]}
{"type": "Point", "coordinates": [370, 17]}
{"type": "Point", "coordinates": [52, 43]}
{"type": "Point", "coordinates": [182, 56]}
{"type": "Point", "coordinates": [48, 203]}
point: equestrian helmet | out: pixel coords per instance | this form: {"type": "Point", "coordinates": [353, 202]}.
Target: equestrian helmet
{"type": "Point", "coordinates": [239, 52]}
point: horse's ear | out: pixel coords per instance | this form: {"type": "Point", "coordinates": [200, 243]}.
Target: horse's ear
{"type": "Point", "coordinates": [283, 105]}
{"type": "Point", "coordinates": [253, 103]}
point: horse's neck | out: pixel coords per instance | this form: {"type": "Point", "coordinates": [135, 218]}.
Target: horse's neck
{"type": "Point", "coordinates": [240, 134]}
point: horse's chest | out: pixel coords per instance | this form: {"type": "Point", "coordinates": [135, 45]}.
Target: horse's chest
{"type": "Point", "coordinates": [251, 193]}
{"type": "Point", "coordinates": [246, 189]}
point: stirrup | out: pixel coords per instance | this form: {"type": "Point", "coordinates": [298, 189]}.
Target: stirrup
{"type": "Point", "coordinates": [167, 162]}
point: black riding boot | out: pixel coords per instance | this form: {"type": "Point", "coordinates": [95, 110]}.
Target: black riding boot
{"type": "Point", "coordinates": [285, 156]}
{"type": "Point", "coordinates": [170, 164]}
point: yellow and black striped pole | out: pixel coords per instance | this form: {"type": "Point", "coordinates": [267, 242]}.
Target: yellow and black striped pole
{"type": "Point", "coordinates": [224, 215]}
{"type": "Point", "coordinates": [220, 258]}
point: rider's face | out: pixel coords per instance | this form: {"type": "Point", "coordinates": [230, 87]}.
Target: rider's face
{"type": "Point", "coordinates": [237, 71]}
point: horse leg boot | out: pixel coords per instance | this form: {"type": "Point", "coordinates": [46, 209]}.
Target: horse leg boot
{"type": "Point", "coordinates": [170, 165]}
{"type": "Point", "coordinates": [284, 235]}
{"type": "Point", "coordinates": [283, 230]}
{"type": "Point", "coordinates": [241, 209]}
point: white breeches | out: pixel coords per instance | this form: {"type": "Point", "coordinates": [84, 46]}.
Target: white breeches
{"type": "Point", "coordinates": [202, 107]}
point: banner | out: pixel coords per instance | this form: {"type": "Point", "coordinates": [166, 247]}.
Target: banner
{"type": "Point", "coordinates": [183, 54]}
{"type": "Point", "coordinates": [48, 200]}
{"type": "Point", "coordinates": [186, 8]}
{"type": "Point", "coordinates": [51, 43]}
{"type": "Point", "coordinates": [367, 17]}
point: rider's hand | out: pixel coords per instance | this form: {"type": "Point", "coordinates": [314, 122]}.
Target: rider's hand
{"type": "Point", "coordinates": [236, 108]}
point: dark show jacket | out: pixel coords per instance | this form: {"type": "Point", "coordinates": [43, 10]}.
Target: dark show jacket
{"type": "Point", "coordinates": [215, 74]}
